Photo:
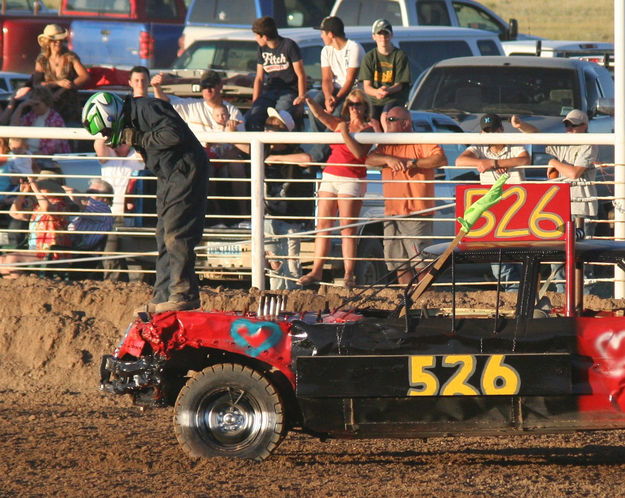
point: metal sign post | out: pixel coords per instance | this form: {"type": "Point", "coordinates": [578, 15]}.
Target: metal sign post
{"type": "Point", "coordinates": [619, 137]}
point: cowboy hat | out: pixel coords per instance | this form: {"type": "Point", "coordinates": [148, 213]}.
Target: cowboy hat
{"type": "Point", "coordinates": [52, 32]}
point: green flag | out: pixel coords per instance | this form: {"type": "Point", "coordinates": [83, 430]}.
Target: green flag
{"type": "Point", "coordinates": [475, 210]}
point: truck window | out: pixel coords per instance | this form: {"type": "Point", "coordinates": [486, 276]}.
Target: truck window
{"type": "Point", "coordinates": [99, 6]}
{"type": "Point", "coordinates": [423, 54]}
{"type": "Point", "coordinates": [432, 13]}
{"type": "Point", "coordinates": [222, 12]}
{"type": "Point", "coordinates": [470, 16]}
{"type": "Point", "coordinates": [287, 13]}
{"type": "Point", "coordinates": [364, 12]}
{"type": "Point", "coordinates": [161, 9]}
{"type": "Point", "coordinates": [502, 90]}
{"type": "Point", "coordinates": [237, 56]}
{"type": "Point", "coordinates": [488, 47]}
{"type": "Point", "coordinates": [593, 92]}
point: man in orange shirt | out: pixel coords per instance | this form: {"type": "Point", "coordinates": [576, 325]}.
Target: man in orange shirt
{"type": "Point", "coordinates": [408, 200]}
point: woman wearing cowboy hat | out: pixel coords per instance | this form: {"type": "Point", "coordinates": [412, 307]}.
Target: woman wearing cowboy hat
{"type": "Point", "coordinates": [61, 70]}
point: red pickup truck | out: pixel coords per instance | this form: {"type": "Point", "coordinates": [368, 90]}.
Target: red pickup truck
{"type": "Point", "coordinates": [115, 32]}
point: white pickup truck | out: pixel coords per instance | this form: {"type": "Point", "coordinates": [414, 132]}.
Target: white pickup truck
{"type": "Point", "coordinates": [461, 13]}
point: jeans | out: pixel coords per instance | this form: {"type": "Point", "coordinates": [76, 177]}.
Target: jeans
{"type": "Point", "coordinates": [281, 100]}
{"type": "Point", "coordinates": [181, 206]}
{"type": "Point", "coordinates": [589, 231]}
{"type": "Point", "coordinates": [290, 268]}
{"type": "Point", "coordinates": [509, 273]}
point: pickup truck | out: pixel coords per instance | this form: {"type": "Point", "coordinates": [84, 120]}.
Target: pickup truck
{"type": "Point", "coordinates": [542, 89]}
{"type": "Point", "coordinates": [125, 32]}
{"type": "Point", "coordinates": [591, 51]}
{"type": "Point", "coordinates": [461, 13]}
{"type": "Point", "coordinates": [205, 18]}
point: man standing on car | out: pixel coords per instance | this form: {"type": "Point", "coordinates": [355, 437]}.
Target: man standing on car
{"type": "Point", "coordinates": [574, 164]}
{"type": "Point", "coordinates": [492, 161]}
{"type": "Point", "coordinates": [407, 175]}
{"type": "Point", "coordinates": [280, 80]}
{"type": "Point", "coordinates": [179, 162]}
{"type": "Point", "coordinates": [385, 72]}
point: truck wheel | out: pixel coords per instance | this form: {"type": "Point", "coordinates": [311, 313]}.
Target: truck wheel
{"type": "Point", "coordinates": [229, 410]}
{"type": "Point", "coordinates": [370, 272]}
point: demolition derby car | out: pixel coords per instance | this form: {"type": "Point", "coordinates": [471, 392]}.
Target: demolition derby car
{"type": "Point", "coordinates": [240, 380]}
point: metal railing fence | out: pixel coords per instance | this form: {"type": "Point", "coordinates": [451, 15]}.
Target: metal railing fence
{"type": "Point", "coordinates": [239, 250]}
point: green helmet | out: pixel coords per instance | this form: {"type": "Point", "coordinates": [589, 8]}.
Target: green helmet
{"type": "Point", "coordinates": [103, 113]}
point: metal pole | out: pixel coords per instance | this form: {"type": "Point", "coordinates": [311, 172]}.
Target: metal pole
{"type": "Point", "coordinates": [619, 137]}
{"type": "Point", "coordinates": [257, 157]}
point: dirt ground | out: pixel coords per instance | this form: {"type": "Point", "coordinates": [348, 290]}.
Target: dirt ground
{"type": "Point", "coordinates": [60, 436]}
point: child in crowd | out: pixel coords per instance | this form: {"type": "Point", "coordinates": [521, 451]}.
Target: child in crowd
{"type": "Point", "coordinates": [220, 117]}
{"type": "Point", "coordinates": [14, 165]}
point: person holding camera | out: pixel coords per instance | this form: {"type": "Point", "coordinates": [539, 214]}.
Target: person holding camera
{"type": "Point", "coordinates": [46, 224]}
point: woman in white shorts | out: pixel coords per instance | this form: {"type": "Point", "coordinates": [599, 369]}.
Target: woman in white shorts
{"type": "Point", "coordinates": [343, 183]}
{"type": "Point", "coordinates": [342, 186]}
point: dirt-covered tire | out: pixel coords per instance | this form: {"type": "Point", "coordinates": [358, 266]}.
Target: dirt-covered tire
{"type": "Point", "coordinates": [229, 410]}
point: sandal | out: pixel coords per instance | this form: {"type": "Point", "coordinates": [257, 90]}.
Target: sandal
{"type": "Point", "coordinates": [308, 280]}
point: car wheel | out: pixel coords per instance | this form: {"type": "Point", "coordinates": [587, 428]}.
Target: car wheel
{"type": "Point", "coordinates": [370, 272]}
{"type": "Point", "coordinates": [229, 410]}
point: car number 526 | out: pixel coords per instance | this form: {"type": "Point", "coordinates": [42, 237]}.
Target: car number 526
{"type": "Point", "coordinates": [496, 377]}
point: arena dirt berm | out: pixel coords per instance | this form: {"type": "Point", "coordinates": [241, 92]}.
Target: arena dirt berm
{"type": "Point", "coordinates": [60, 435]}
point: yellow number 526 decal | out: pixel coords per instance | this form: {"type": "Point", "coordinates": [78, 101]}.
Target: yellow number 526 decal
{"type": "Point", "coordinates": [496, 377]}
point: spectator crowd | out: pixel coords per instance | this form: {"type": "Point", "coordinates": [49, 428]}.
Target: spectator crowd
{"type": "Point", "coordinates": [360, 92]}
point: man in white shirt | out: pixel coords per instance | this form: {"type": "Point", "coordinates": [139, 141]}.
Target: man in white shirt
{"type": "Point", "coordinates": [116, 171]}
{"type": "Point", "coordinates": [198, 114]}
{"type": "Point", "coordinates": [492, 161]}
{"type": "Point", "coordinates": [340, 64]}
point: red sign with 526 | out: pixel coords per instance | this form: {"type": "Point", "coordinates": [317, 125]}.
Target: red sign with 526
{"type": "Point", "coordinates": [536, 211]}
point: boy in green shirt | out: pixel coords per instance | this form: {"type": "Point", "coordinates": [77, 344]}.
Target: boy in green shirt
{"type": "Point", "coordinates": [384, 71]}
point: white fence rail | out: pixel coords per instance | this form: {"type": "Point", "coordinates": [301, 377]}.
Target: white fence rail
{"type": "Point", "coordinates": [250, 246]}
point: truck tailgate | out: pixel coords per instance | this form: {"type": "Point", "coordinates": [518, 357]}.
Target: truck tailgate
{"type": "Point", "coordinates": [118, 43]}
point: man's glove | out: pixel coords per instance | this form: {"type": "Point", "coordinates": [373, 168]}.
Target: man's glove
{"type": "Point", "coordinates": [132, 136]}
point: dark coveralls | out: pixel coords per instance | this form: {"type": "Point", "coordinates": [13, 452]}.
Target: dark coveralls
{"type": "Point", "coordinates": [173, 153]}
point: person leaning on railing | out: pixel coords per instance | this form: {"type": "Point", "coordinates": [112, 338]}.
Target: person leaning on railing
{"type": "Point", "coordinates": [342, 188]}
{"type": "Point", "coordinates": [283, 212]}
{"type": "Point", "coordinates": [574, 164]}
{"type": "Point", "coordinates": [492, 161]}
{"type": "Point", "coordinates": [407, 175]}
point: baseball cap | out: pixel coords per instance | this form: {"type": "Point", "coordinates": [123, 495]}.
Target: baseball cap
{"type": "Point", "coordinates": [209, 79]}
{"type": "Point", "coordinates": [283, 116]}
{"type": "Point", "coordinates": [576, 117]}
{"type": "Point", "coordinates": [491, 121]}
{"type": "Point", "coordinates": [333, 25]}
{"type": "Point", "coordinates": [381, 25]}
